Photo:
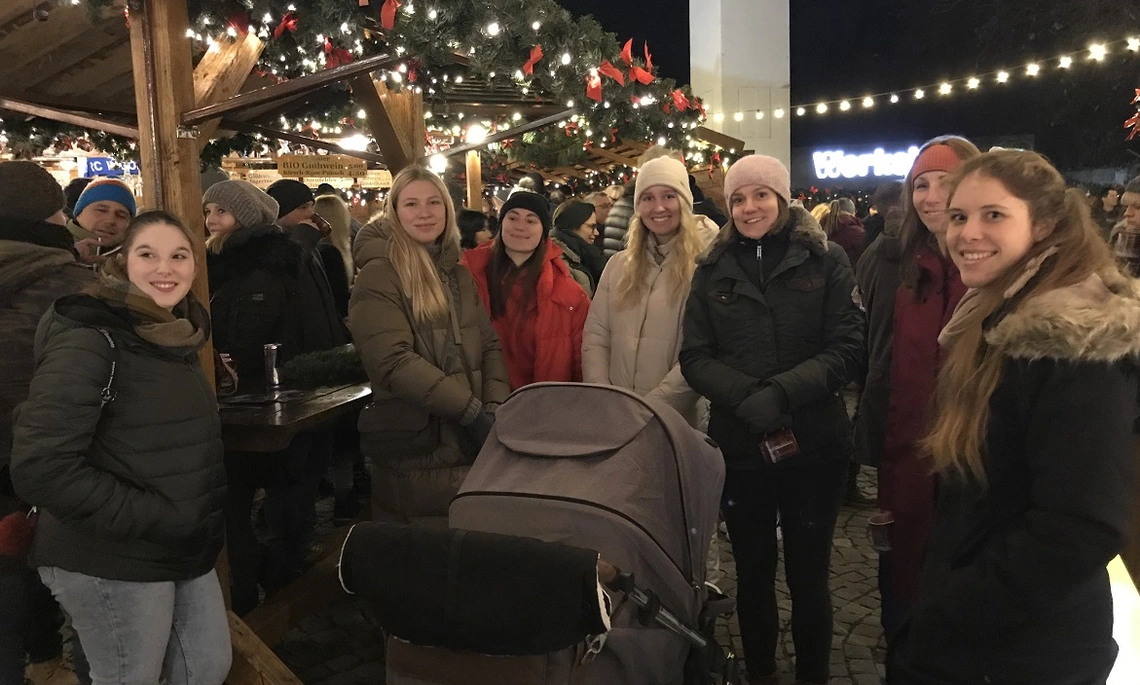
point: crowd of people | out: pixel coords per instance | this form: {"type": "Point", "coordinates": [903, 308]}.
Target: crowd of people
{"type": "Point", "coordinates": [988, 318]}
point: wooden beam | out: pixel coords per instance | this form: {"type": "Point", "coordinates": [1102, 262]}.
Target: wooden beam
{"type": "Point", "coordinates": [397, 150]}
{"type": "Point", "coordinates": [71, 104]}
{"type": "Point", "coordinates": [490, 109]}
{"type": "Point", "coordinates": [254, 663]}
{"type": "Point", "coordinates": [285, 89]}
{"type": "Point", "coordinates": [512, 132]}
{"type": "Point", "coordinates": [220, 74]}
{"type": "Point", "coordinates": [717, 138]}
{"type": "Point", "coordinates": [243, 127]}
{"type": "Point", "coordinates": [613, 156]}
{"type": "Point", "coordinates": [88, 50]}
{"type": "Point", "coordinates": [86, 80]}
{"type": "Point", "coordinates": [85, 120]}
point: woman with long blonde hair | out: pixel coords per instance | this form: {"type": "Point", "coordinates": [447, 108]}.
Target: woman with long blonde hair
{"type": "Point", "coordinates": [435, 364]}
{"type": "Point", "coordinates": [335, 249]}
{"type": "Point", "coordinates": [632, 336]}
{"type": "Point", "coordinates": [1032, 439]}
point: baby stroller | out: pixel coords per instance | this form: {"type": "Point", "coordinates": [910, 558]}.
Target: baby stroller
{"type": "Point", "coordinates": [598, 468]}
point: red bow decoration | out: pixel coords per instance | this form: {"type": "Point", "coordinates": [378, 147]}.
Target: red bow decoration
{"type": "Point", "coordinates": [334, 57]}
{"type": "Point", "coordinates": [613, 135]}
{"type": "Point", "coordinates": [627, 53]}
{"type": "Point", "coordinates": [607, 69]}
{"type": "Point", "coordinates": [643, 76]}
{"type": "Point", "coordinates": [594, 87]}
{"type": "Point", "coordinates": [680, 101]}
{"type": "Point", "coordinates": [388, 14]}
{"type": "Point", "coordinates": [665, 107]}
{"type": "Point", "coordinates": [288, 23]}
{"type": "Point", "coordinates": [571, 129]}
{"type": "Point", "coordinates": [814, 190]}
{"type": "Point", "coordinates": [240, 21]}
{"type": "Point", "coordinates": [535, 55]}
{"type": "Point", "coordinates": [1134, 122]}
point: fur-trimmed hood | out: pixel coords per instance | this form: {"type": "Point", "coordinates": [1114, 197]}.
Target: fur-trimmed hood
{"type": "Point", "coordinates": [250, 249]}
{"type": "Point", "coordinates": [1095, 320]}
{"type": "Point", "coordinates": [806, 231]}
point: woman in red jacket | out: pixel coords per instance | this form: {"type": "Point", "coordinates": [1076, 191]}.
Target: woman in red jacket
{"type": "Point", "coordinates": [536, 306]}
{"type": "Point", "coordinates": [910, 289]}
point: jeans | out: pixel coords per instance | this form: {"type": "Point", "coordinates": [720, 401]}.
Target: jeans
{"type": "Point", "coordinates": [29, 624]}
{"type": "Point", "coordinates": [807, 499]}
{"type": "Point", "coordinates": [136, 633]}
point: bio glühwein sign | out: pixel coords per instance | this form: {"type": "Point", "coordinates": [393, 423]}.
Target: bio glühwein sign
{"type": "Point", "coordinates": [303, 166]}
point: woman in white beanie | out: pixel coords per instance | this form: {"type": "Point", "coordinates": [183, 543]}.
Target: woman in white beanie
{"type": "Point", "coordinates": [773, 331]}
{"type": "Point", "coordinates": [633, 333]}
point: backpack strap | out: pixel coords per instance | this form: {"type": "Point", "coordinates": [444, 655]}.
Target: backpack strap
{"type": "Point", "coordinates": [108, 394]}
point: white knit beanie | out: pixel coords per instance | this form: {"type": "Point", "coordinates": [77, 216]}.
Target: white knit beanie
{"type": "Point", "coordinates": [663, 171]}
{"type": "Point", "coordinates": [759, 170]}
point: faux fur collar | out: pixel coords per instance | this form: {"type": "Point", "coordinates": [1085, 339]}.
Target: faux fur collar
{"type": "Point", "coordinates": [806, 231]}
{"type": "Point", "coordinates": [1095, 320]}
{"type": "Point", "coordinates": [250, 249]}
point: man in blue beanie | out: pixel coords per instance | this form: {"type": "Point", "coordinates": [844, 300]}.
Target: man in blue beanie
{"type": "Point", "coordinates": [102, 213]}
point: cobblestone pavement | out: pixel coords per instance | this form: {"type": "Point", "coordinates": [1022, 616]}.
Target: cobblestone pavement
{"type": "Point", "coordinates": [342, 645]}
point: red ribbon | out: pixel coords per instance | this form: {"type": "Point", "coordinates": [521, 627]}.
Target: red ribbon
{"type": "Point", "coordinates": [680, 101]}
{"type": "Point", "coordinates": [607, 69]}
{"type": "Point", "coordinates": [648, 59]}
{"type": "Point", "coordinates": [627, 53]}
{"type": "Point", "coordinates": [240, 21]}
{"type": "Point", "coordinates": [613, 135]}
{"type": "Point", "coordinates": [535, 55]}
{"type": "Point", "coordinates": [288, 23]}
{"type": "Point", "coordinates": [665, 107]}
{"type": "Point", "coordinates": [1136, 100]}
{"type": "Point", "coordinates": [334, 57]}
{"type": "Point", "coordinates": [388, 14]}
{"type": "Point", "coordinates": [571, 129]}
{"type": "Point", "coordinates": [640, 75]}
{"type": "Point", "coordinates": [1134, 124]}
{"type": "Point", "coordinates": [594, 87]}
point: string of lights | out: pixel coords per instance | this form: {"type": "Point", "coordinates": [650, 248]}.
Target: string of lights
{"type": "Point", "coordinates": [1033, 69]}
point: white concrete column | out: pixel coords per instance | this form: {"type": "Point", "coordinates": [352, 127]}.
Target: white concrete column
{"type": "Point", "coordinates": [740, 62]}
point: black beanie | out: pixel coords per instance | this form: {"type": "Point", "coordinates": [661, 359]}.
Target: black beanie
{"type": "Point", "coordinates": [573, 216]}
{"type": "Point", "coordinates": [524, 199]}
{"type": "Point", "coordinates": [289, 194]}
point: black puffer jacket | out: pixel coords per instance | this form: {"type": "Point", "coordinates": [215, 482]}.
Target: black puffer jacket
{"type": "Point", "coordinates": [617, 223]}
{"type": "Point", "coordinates": [132, 490]}
{"type": "Point", "coordinates": [37, 266]}
{"type": "Point", "coordinates": [253, 298]}
{"type": "Point", "coordinates": [1015, 589]}
{"type": "Point", "coordinates": [791, 320]}
{"type": "Point", "coordinates": [322, 326]}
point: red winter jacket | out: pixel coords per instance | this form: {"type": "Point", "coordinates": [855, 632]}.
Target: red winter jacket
{"type": "Point", "coordinates": [544, 343]}
{"type": "Point", "coordinates": [849, 234]}
{"type": "Point", "coordinates": [906, 484]}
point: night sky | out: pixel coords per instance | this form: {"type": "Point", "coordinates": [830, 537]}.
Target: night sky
{"type": "Point", "coordinates": [847, 49]}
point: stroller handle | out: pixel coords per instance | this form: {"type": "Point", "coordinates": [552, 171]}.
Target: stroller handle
{"type": "Point", "coordinates": [650, 605]}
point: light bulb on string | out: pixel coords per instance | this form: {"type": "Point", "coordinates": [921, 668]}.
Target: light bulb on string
{"type": "Point", "coordinates": [844, 106]}
{"type": "Point", "coordinates": [565, 58]}
{"type": "Point", "coordinates": [894, 99]}
{"type": "Point", "coordinates": [1066, 62]}
{"type": "Point", "coordinates": [821, 108]}
{"type": "Point", "coordinates": [945, 88]}
{"type": "Point", "coordinates": [493, 29]}
{"type": "Point", "coordinates": [800, 111]}
{"type": "Point", "coordinates": [432, 14]}
{"type": "Point", "coordinates": [718, 117]}
{"type": "Point", "coordinates": [779, 113]}
{"type": "Point", "coordinates": [1134, 44]}
{"type": "Point", "coordinates": [1097, 51]}
{"type": "Point", "coordinates": [1033, 69]}
{"type": "Point", "coordinates": [536, 25]}
{"type": "Point", "coordinates": [759, 115]}
{"type": "Point", "coordinates": [1002, 76]}
{"type": "Point", "coordinates": [919, 94]}
{"type": "Point", "coordinates": [868, 102]}
{"type": "Point", "coordinates": [739, 116]}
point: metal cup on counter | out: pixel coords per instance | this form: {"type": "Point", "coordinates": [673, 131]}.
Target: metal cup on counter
{"type": "Point", "coordinates": [272, 373]}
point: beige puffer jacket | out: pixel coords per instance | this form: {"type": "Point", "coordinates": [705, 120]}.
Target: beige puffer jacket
{"type": "Point", "coordinates": [637, 348]}
{"type": "Point", "coordinates": [425, 378]}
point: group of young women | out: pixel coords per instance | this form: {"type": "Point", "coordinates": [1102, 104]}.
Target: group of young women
{"type": "Point", "coordinates": [995, 300]}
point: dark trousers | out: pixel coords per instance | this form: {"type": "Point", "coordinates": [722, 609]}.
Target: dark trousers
{"type": "Point", "coordinates": [29, 624]}
{"type": "Point", "coordinates": [806, 498]}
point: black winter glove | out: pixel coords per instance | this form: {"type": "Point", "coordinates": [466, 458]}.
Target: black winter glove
{"type": "Point", "coordinates": [480, 428]}
{"type": "Point", "coordinates": [764, 409]}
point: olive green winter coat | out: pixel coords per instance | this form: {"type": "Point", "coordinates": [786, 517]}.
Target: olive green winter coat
{"type": "Point", "coordinates": [426, 377]}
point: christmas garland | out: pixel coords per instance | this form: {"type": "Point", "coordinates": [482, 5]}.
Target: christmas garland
{"type": "Point", "coordinates": [534, 45]}
{"type": "Point", "coordinates": [329, 367]}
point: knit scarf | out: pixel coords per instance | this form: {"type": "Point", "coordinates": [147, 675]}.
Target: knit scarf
{"type": "Point", "coordinates": [964, 315]}
{"type": "Point", "coordinates": [187, 326]}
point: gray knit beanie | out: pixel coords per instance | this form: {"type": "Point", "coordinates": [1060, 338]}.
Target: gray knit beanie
{"type": "Point", "coordinates": [28, 192]}
{"type": "Point", "coordinates": [249, 205]}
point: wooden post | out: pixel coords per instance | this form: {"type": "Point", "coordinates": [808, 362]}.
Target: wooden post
{"type": "Point", "coordinates": [164, 89]}
{"type": "Point", "coordinates": [395, 119]}
{"type": "Point", "coordinates": [474, 181]}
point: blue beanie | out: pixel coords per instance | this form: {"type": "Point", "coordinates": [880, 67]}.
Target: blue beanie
{"type": "Point", "coordinates": [109, 189]}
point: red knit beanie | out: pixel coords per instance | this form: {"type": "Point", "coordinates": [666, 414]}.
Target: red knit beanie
{"type": "Point", "coordinates": [939, 157]}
